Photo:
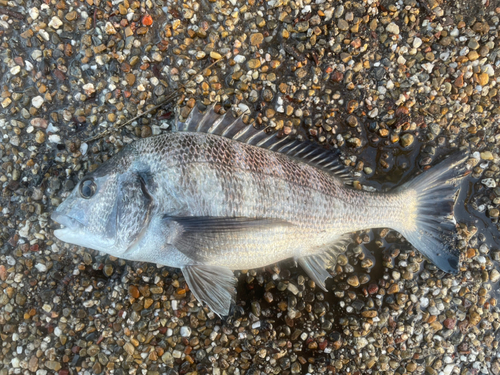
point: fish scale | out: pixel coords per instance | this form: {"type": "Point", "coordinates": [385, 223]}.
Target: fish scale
{"type": "Point", "coordinates": [210, 204]}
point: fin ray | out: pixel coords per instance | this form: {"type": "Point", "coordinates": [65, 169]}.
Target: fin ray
{"type": "Point", "coordinates": [213, 285]}
{"type": "Point", "coordinates": [232, 127]}
{"type": "Point", "coordinates": [433, 230]}
{"type": "Point", "coordinates": [317, 263]}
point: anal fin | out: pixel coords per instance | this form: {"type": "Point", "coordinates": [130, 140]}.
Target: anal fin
{"type": "Point", "coordinates": [213, 285]}
{"type": "Point", "coordinates": [317, 263]}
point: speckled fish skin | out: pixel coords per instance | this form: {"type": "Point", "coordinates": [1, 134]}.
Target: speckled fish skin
{"type": "Point", "coordinates": [210, 204]}
{"type": "Point", "coordinates": [204, 175]}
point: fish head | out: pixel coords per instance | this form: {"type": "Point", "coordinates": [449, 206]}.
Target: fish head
{"type": "Point", "coordinates": [108, 210]}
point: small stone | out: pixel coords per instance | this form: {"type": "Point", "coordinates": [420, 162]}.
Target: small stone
{"type": "Point", "coordinates": [483, 79]}
{"type": "Point", "coordinates": [489, 182]}
{"type": "Point", "coordinates": [109, 28]}
{"type": "Point", "coordinates": [239, 59]}
{"type": "Point", "coordinates": [146, 131]}
{"type": "Point", "coordinates": [353, 281]}
{"type": "Point", "coordinates": [130, 78]}
{"type": "Point", "coordinates": [129, 348]}
{"type": "Point", "coordinates": [34, 13]}
{"type": "Point", "coordinates": [302, 26]}
{"type": "Point", "coordinates": [200, 55]}
{"type": "Point", "coordinates": [134, 291]}
{"type": "Point", "coordinates": [253, 64]}
{"type": "Point", "coordinates": [215, 55]}
{"type": "Point", "coordinates": [185, 331]}
{"type": "Point", "coordinates": [417, 42]}
{"type": "Point", "coordinates": [6, 102]}
{"type": "Point", "coordinates": [373, 113]}
{"type": "Point", "coordinates": [449, 323]}
{"type": "Point", "coordinates": [39, 137]}
{"type": "Point", "coordinates": [38, 122]}
{"type": "Point", "coordinates": [256, 309]}
{"type": "Point", "coordinates": [256, 39]}
{"type": "Point", "coordinates": [494, 212]}
{"type": "Point", "coordinates": [343, 25]}
{"type": "Point", "coordinates": [474, 318]}
{"type": "Point", "coordinates": [406, 140]}
{"type": "Point", "coordinates": [108, 270]}
{"type": "Point", "coordinates": [53, 365]}
{"type": "Point", "coordinates": [267, 95]}
{"type": "Point", "coordinates": [293, 288]}
{"type": "Point", "coordinates": [352, 121]}
{"type": "Point", "coordinates": [494, 276]}
{"type": "Point", "coordinates": [392, 28]}
{"type": "Point", "coordinates": [55, 22]}
{"type": "Point", "coordinates": [37, 101]}
{"type": "Point", "coordinates": [71, 16]}
{"type": "Point", "coordinates": [486, 155]}
{"type": "Point", "coordinates": [473, 55]}
{"type": "Point", "coordinates": [394, 288]}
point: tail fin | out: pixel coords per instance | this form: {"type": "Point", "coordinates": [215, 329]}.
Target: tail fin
{"type": "Point", "coordinates": [433, 232]}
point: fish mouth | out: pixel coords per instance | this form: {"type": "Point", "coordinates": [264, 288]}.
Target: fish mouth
{"type": "Point", "coordinates": [68, 225]}
{"type": "Point", "coordinates": [65, 220]}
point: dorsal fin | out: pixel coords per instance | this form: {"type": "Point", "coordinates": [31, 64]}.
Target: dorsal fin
{"type": "Point", "coordinates": [229, 126]}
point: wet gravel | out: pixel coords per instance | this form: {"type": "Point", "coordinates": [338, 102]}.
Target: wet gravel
{"type": "Point", "coordinates": [394, 84]}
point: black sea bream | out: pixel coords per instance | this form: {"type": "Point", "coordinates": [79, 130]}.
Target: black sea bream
{"type": "Point", "coordinates": [218, 196]}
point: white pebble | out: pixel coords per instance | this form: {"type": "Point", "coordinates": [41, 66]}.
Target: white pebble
{"type": "Point", "coordinates": [15, 362]}
{"type": "Point", "coordinates": [239, 59]}
{"type": "Point", "coordinates": [37, 101]}
{"type": "Point", "coordinates": [15, 70]}
{"type": "Point", "coordinates": [41, 267]}
{"type": "Point", "coordinates": [44, 34]}
{"type": "Point", "coordinates": [185, 331]}
{"type": "Point", "coordinates": [417, 42]}
{"type": "Point", "coordinates": [34, 13]}
{"type": "Point", "coordinates": [373, 113]}
{"type": "Point", "coordinates": [489, 182]}
{"type": "Point", "coordinates": [55, 138]}
{"type": "Point", "coordinates": [392, 28]}
{"type": "Point", "coordinates": [55, 22]}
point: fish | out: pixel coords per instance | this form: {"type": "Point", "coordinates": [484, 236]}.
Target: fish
{"type": "Point", "coordinates": [217, 195]}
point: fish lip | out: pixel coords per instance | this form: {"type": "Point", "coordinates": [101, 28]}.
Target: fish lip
{"type": "Point", "coordinates": [67, 221]}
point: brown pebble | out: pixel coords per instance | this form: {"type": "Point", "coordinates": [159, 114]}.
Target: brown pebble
{"type": "Point", "coordinates": [146, 131]}
{"type": "Point", "coordinates": [134, 292]}
{"type": "Point", "coordinates": [256, 39]}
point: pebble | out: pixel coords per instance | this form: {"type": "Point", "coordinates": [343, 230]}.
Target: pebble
{"type": "Point", "coordinates": [494, 276]}
{"type": "Point", "coordinates": [185, 331]}
{"type": "Point", "coordinates": [129, 348]}
{"type": "Point", "coordinates": [55, 22]}
{"type": "Point", "coordinates": [37, 101]}
{"type": "Point", "coordinates": [392, 28]}
{"type": "Point", "coordinates": [406, 140]}
{"type": "Point", "coordinates": [256, 39]}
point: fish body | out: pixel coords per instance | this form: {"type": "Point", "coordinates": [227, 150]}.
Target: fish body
{"type": "Point", "coordinates": [210, 200]}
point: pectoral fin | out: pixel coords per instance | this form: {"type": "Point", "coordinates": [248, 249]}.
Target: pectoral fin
{"type": "Point", "coordinates": [196, 233]}
{"type": "Point", "coordinates": [213, 285]}
{"type": "Point", "coordinates": [317, 263]}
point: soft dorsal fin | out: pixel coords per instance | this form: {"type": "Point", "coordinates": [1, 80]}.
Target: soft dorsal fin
{"type": "Point", "coordinates": [232, 127]}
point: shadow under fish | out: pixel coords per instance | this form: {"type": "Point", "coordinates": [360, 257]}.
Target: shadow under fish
{"type": "Point", "coordinates": [218, 195]}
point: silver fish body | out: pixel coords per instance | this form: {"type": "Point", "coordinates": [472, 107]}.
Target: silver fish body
{"type": "Point", "coordinates": [210, 204]}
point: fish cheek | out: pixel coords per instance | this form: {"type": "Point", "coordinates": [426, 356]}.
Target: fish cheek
{"type": "Point", "coordinates": [133, 208]}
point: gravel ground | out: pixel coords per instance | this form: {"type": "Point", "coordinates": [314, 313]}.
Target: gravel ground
{"type": "Point", "coordinates": [394, 84]}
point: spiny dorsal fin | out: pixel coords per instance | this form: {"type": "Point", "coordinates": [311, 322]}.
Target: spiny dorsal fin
{"type": "Point", "coordinates": [232, 127]}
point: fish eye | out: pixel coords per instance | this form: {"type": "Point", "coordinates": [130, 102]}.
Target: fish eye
{"type": "Point", "coordinates": [87, 188]}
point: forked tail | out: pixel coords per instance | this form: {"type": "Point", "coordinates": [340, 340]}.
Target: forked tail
{"type": "Point", "coordinates": [431, 225]}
